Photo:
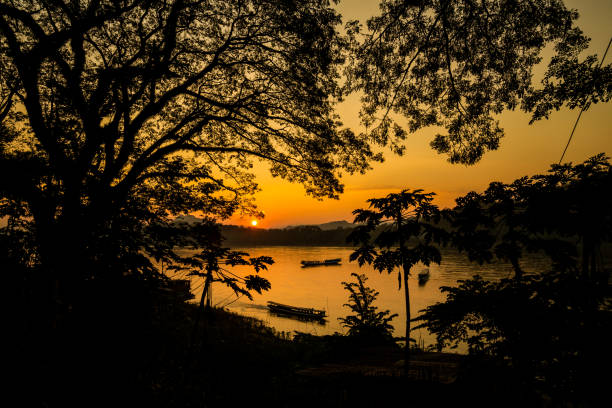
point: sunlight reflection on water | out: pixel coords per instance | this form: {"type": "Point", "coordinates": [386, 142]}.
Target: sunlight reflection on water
{"type": "Point", "coordinates": [320, 287]}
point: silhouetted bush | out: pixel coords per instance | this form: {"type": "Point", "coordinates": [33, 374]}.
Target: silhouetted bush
{"type": "Point", "coordinates": [367, 325]}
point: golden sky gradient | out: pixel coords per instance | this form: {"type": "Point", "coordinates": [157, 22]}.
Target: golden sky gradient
{"type": "Point", "coordinates": [525, 149]}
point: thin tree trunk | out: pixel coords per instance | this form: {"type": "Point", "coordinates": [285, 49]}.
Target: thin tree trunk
{"type": "Point", "coordinates": [201, 307]}
{"type": "Point", "coordinates": [406, 293]}
{"type": "Point", "coordinates": [407, 299]}
{"type": "Point", "coordinates": [209, 293]}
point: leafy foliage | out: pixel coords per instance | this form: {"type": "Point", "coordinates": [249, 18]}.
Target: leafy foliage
{"type": "Point", "coordinates": [208, 264]}
{"type": "Point", "coordinates": [367, 323]}
{"type": "Point", "coordinates": [548, 328]}
{"type": "Point", "coordinates": [119, 113]}
{"type": "Point", "coordinates": [408, 236]}
{"type": "Point", "coordinates": [459, 63]}
{"type": "Point", "coordinates": [548, 213]}
{"type": "Point", "coordinates": [125, 87]}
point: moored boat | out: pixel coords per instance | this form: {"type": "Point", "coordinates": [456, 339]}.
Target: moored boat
{"type": "Point", "coordinates": [303, 312]}
{"type": "Point", "coordinates": [327, 262]}
{"type": "Point", "coordinates": [423, 276]}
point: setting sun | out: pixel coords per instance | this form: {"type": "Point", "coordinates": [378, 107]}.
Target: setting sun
{"type": "Point", "coordinates": [254, 223]}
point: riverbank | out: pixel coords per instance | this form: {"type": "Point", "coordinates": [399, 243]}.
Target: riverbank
{"type": "Point", "coordinates": [157, 359]}
{"type": "Point", "coordinates": [242, 361]}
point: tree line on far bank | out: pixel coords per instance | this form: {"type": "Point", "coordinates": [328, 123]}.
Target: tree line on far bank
{"type": "Point", "coordinates": [303, 235]}
{"type": "Point", "coordinates": [306, 235]}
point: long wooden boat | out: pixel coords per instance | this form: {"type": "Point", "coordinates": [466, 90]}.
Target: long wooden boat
{"type": "Point", "coordinates": [327, 262]}
{"type": "Point", "coordinates": [303, 312]}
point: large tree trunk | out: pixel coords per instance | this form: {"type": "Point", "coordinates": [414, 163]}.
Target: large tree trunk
{"type": "Point", "coordinates": [59, 257]}
{"type": "Point", "coordinates": [65, 233]}
{"type": "Point", "coordinates": [71, 339]}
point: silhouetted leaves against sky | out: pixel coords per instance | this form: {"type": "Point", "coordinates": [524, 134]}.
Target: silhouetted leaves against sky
{"type": "Point", "coordinates": [457, 64]}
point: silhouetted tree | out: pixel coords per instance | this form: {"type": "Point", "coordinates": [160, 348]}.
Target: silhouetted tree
{"type": "Point", "coordinates": [546, 328]}
{"type": "Point", "coordinates": [209, 264]}
{"type": "Point", "coordinates": [542, 213]}
{"type": "Point", "coordinates": [409, 237]}
{"type": "Point", "coordinates": [547, 331]}
{"type": "Point", "coordinates": [575, 202]}
{"type": "Point", "coordinates": [141, 109]}
{"type": "Point", "coordinates": [366, 324]}
{"type": "Point", "coordinates": [459, 63]}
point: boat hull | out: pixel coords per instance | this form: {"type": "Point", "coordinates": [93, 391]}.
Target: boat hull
{"type": "Point", "coordinates": [423, 276]}
{"type": "Point", "coordinates": [300, 312]}
{"type": "Point", "coordinates": [327, 262]}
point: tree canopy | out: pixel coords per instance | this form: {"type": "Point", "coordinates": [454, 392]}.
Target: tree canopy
{"type": "Point", "coordinates": [154, 108]}
{"type": "Point", "coordinates": [113, 90]}
{"type": "Point", "coordinates": [457, 64]}
{"type": "Point", "coordinates": [547, 213]}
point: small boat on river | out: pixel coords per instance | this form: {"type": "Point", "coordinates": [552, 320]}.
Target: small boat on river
{"type": "Point", "coordinates": [301, 312]}
{"type": "Point", "coordinates": [327, 262]}
{"type": "Point", "coordinates": [423, 276]}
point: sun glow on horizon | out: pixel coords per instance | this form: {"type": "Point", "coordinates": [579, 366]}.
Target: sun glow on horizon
{"type": "Point", "coordinates": [254, 223]}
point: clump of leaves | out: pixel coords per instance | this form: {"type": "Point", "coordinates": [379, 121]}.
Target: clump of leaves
{"type": "Point", "coordinates": [547, 213]}
{"type": "Point", "coordinates": [368, 324]}
{"type": "Point", "coordinates": [547, 329]}
{"type": "Point", "coordinates": [458, 64]}
{"type": "Point", "coordinates": [209, 265]}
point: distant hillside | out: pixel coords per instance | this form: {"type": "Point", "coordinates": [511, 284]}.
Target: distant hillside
{"type": "Point", "coordinates": [327, 226]}
{"type": "Point", "coordinates": [188, 218]}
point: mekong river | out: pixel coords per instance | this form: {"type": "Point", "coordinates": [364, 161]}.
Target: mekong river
{"type": "Point", "coordinates": [321, 287]}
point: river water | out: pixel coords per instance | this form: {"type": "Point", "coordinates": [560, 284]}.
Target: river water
{"type": "Point", "coordinates": [321, 287]}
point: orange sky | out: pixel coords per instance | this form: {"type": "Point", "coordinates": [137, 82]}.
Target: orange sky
{"type": "Point", "coordinates": [525, 149]}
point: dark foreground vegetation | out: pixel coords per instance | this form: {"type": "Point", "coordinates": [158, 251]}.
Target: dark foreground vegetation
{"type": "Point", "coordinates": [238, 361]}
{"type": "Point", "coordinates": [131, 339]}
{"type": "Point", "coordinates": [546, 332]}
{"type": "Point", "coordinates": [140, 360]}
